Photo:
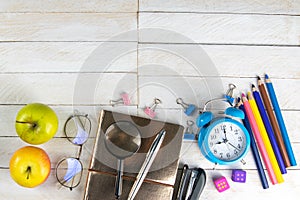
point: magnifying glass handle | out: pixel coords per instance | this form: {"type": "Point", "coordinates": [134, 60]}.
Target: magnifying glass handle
{"type": "Point", "coordinates": [119, 180]}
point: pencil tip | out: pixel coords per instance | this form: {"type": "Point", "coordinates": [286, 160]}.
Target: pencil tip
{"type": "Point", "coordinates": [243, 95]}
{"type": "Point", "coordinates": [258, 78]}
{"type": "Point", "coordinates": [252, 85]}
{"type": "Point", "coordinates": [266, 76]}
{"type": "Point", "coordinates": [249, 95]}
{"type": "Point", "coordinates": [238, 102]}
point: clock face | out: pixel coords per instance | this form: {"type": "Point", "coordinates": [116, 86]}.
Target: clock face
{"type": "Point", "coordinates": [227, 141]}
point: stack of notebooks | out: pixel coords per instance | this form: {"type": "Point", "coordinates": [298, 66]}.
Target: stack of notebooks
{"type": "Point", "coordinates": [159, 182]}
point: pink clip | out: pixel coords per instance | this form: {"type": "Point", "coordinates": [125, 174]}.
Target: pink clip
{"type": "Point", "coordinates": [150, 111]}
{"type": "Point", "coordinates": [125, 100]}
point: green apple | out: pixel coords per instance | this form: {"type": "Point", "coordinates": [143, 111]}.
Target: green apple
{"type": "Point", "coordinates": [36, 123]}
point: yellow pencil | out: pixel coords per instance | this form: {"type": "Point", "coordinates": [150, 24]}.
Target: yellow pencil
{"type": "Point", "coordinates": [265, 138]}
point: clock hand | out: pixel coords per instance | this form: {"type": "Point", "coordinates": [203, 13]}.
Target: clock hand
{"type": "Point", "coordinates": [219, 142]}
{"type": "Point", "coordinates": [225, 135]}
{"type": "Point", "coordinates": [234, 146]}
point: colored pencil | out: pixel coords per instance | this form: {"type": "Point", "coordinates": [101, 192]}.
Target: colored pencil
{"type": "Point", "coordinates": [255, 152]}
{"type": "Point", "coordinates": [280, 121]}
{"type": "Point", "coordinates": [273, 121]}
{"type": "Point", "coordinates": [265, 138]}
{"type": "Point", "coordinates": [269, 129]}
{"type": "Point", "coordinates": [259, 140]}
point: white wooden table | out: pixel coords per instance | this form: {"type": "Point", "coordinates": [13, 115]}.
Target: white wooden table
{"type": "Point", "coordinates": [46, 47]}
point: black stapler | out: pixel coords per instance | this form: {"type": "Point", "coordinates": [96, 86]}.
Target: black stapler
{"type": "Point", "coordinates": [191, 184]}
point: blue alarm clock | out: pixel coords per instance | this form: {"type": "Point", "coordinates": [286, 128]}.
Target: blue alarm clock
{"type": "Point", "coordinates": [222, 139]}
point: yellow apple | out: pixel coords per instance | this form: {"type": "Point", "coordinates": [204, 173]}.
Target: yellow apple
{"type": "Point", "coordinates": [36, 123]}
{"type": "Point", "coordinates": [29, 166]}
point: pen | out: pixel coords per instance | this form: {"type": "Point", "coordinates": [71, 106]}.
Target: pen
{"type": "Point", "coordinates": [153, 150]}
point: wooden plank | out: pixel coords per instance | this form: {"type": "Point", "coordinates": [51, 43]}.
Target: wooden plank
{"type": "Point", "coordinates": [178, 117]}
{"type": "Point", "coordinates": [68, 57]}
{"type": "Point", "coordinates": [238, 61]}
{"type": "Point", "coordinates": [72, 88]}
{"type": "Point", "coordinates": [194, 90]}
{"type": "Point", "coordinates": [252, 189]}
{"type": "Point", "coordinates": [175, 115]}
{"type": "Point", "coordinates": [190, 154]}
{"type": "Point", "coordinates": [198, 90]}
{"type": "Point", "coordinates": [228, 60]}
{"type": "Point", "coordinates": [67, 6]}
{"type": "Point", "coordinates": [63, 113]}
{"type": "Point", "coordinates": [56, 148]}
{"type": "Point", "coordinates": [235, 6]}
{"type": "Point", "coordinates": [245, 61]}
{"type": "Point", "coordinates": [286, 90]}
{"type": "Point", "coordinates": [219, 29]}
{"type": "Point", "coordinates": [67, 26]}
{"type": "Point", "coordinates": [194, 160]}
{"type": "Point", "coordinates": [48, 190]}
{"type": "Point", "coordinates": [292, 125]}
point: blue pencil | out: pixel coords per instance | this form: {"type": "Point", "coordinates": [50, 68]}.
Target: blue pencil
{"type": "Point", "coordinates": [256, 156]}
{"type": "Point", "coordinates": [269, 129]}
{"type": "Point", "coordinates": [280, 121]}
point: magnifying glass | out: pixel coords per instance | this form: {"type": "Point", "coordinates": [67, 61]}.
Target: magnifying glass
{"type": "Point", "coordinates": [122, 140]}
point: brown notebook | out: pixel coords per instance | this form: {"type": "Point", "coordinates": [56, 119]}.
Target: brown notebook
{"type": "Point", "coordinates": [159, 182]}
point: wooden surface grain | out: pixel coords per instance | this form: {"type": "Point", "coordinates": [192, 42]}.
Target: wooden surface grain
{"type": "Point", "coordinates": [81, 54]}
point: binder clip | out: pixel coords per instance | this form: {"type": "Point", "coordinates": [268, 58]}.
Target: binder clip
{"type": "Point", "coordinates": [189, 134]}
{"type": "Point", "coordinates": [229, 93]}
{"type": "Point", "coordinates": [188, 108]}
{"type": "Point", "coordinates": [150, 111]}
{"type": "Point", "coordinates": [125, 100]}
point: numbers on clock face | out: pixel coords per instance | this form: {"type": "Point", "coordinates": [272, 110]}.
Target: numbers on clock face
{"type": "Point", "coordinates": [227, 141]}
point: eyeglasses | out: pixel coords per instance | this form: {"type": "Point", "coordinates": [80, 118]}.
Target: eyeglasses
{"type": "Point", "coordinates": [69, 170]}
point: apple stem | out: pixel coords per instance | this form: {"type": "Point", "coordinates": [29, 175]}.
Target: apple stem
{"type": "Point", "coordinates": [33, 124]}
{"type": "Point", "coordinates": [28, 171]}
